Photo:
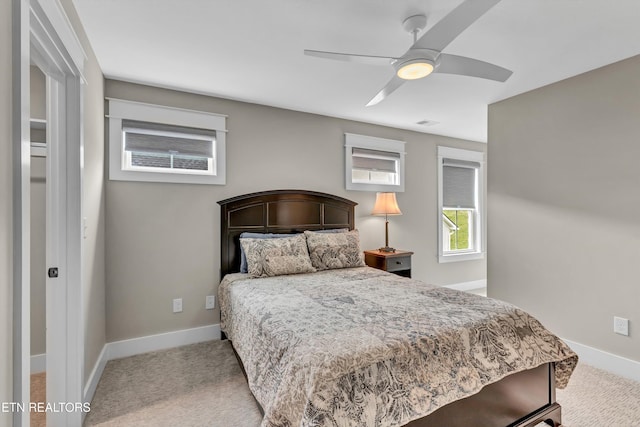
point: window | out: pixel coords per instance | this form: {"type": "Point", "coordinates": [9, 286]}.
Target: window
{"type": "Point", "coordinates": [374, 164]}
{"type": "Point", "coordinates": [461, 203]}
{"type": "Point", "coordinates": [163, 144]}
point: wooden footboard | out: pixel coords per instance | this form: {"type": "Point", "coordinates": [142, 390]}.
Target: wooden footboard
{"type": "Point", "coordinates": [524, 399]}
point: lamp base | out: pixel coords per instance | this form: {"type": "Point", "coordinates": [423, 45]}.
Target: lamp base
{"type": "Point", "coordinates": [387, 249]}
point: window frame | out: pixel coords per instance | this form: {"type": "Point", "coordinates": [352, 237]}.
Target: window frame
{"type": "Point", "coordinates": [120, 110]}
{"type": "Point", "coordinates": [479, 216]}
{"type": "Point", "coordinates": [373, 143]}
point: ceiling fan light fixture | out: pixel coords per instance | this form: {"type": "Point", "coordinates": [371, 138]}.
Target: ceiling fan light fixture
{"type": "Point", "coordinates": [415, 69]}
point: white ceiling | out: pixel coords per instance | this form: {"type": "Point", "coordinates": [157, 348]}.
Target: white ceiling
{"type": "Point", "coordinates": [252, 50]}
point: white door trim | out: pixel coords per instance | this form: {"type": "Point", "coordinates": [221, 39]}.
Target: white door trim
{"type": "Point", "coordinates": [21, 207]}
{"type": "Point", "coordinates": [44, 35]}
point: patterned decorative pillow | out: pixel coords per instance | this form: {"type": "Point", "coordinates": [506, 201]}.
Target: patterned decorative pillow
{"type": "Point", "coordinates": [248, 235]}
{"type": "Point", "coordinates": [334, 250]}
{"type": "Point", "coordinates": [275, 257]}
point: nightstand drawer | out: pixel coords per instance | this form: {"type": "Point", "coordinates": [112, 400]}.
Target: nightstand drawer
{"type": "Point", "coordinates": [398, 263]}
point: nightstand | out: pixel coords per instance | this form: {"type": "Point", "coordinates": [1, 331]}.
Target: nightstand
{"type": "Point", "coordinates": [398, 262]}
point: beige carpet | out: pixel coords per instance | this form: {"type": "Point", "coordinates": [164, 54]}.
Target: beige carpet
{"type": "Point", "coordinates": [202, 385]}
{"type": "Point", "coordinates": [196, 385]}
{"type": "Point", "coordinates": [596, 398]}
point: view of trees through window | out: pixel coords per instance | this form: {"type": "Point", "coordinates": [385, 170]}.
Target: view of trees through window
{"type": "Point", "coordinates": [460, 237]}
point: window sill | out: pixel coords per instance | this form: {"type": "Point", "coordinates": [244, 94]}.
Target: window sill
{"type": "Point", "coordinates": [116, 174]}
{"type": "Point", "coordinates": [460, 257]}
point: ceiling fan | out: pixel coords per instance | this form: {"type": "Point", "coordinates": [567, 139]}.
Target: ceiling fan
{"type": "Point", "coordinates": [425, 55]}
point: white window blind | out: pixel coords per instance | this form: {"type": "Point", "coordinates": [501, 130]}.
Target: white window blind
{"type": "Point", "coordinates": [375, 160]}
{"type": "Point", "coordinates": [153, 145]}
{"type": "Point", "coordinates": [459, 183]}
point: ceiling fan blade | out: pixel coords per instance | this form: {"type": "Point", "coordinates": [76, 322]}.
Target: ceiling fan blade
{"type": "Point", "coordinates": [391, 86]}
{"type": "Point", "coordinates": [454, 64]}
{"type": "Point", "coordinates": [452, 25]}
{"type": "Point", "coordinates": [363, 59]}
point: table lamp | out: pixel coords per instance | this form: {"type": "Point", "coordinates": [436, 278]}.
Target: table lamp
{"type": "Point", "coordinates": [386, 205]}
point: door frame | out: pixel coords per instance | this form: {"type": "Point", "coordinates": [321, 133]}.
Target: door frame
{"type": "Point", "coordinates": [42, 34]}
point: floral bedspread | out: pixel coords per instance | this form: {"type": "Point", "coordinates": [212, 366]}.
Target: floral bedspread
{"type": "Point", "coordinates": [361, 347]}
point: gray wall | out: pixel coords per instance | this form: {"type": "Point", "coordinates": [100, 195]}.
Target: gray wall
{"type": "Point", "coordinates": [6, 221]}
{"type": "Point", "coordinates": [38, 221]}
{"type": "Point", "coordinates": [163, 239]}
{"type": "Point", "coordinates": [38, 255]}
{"type": "Point", "coordinates": [38, 94]}
{"type": "Point", "coordinates": [564, 205]}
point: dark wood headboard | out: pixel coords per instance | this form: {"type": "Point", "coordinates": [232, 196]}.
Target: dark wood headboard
{"type": "Point", "coordinates": [277, 211]}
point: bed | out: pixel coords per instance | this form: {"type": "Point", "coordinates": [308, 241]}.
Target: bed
{"type": "Point", "coordinates": [359, 346]}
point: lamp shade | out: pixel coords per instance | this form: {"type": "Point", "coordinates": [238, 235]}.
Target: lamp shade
{"type": "Point", "coordinates": [386, 204]}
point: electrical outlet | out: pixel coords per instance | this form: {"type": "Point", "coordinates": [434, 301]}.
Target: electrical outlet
{"type": "Point", "coordinates": [621, 326]}
{"type": "Point", "coordinates": [210, 302]}
{"type": "Point", "coordinates": [177, 305]}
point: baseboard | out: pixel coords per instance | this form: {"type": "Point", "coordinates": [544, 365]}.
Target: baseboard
{"type": "Point", "coordinates": [613, 363]}
{"type": "Point", "coordinates": [468, 286]}
{"type": "Point", "coordinates": [96, 374]}
{"type": "Point", "coordinates": [38, 363]}
{"type": "Point", "coordinates": [131, 347]}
